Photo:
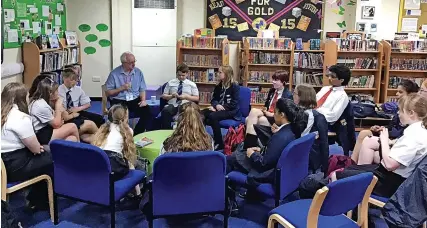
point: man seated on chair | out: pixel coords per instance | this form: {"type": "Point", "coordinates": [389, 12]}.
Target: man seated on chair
{"type": "Point", "coordinates": [332, 100]}
{"type": "Point", "coordinates": [177, 92]}
{"type": "Point", "coordinates": [126, 85]}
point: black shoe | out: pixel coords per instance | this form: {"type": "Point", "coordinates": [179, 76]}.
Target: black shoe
{"type": "Point", "coordinates": [251, 196]}
{"type": "Point", "coordinates": [37, 206]}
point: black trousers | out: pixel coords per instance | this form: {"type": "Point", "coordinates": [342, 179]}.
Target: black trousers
{"type": "Point", "coordinates": [212, 119]}
{"type": "Point", "coordinates": [22, 165]}
{"type": "Point", "coordinates": [142, 112]}
{"type": "Point", "coordinates": [168, 112]}
{"type": "Point", "coordinates": [97, 119]}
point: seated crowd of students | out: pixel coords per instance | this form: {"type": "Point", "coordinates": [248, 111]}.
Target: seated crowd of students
{"type": "Point", "coordinates": [31, 120]}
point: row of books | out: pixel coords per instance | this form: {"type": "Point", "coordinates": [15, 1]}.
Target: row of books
{"type": "Point", "coordinates": [308, 60]}
{"type": "Point", "coordinates": [302, 77]}
{"type": "Point", "coordinates": [202, 60]}
{"type": "Point", "coordinates": [365, 81]}
{"type": "Point", "coordinates": [260, 76]}
{"type": "Point", "coordinates": [408, 64]}
{"type": "Point", "coordinates": [268, 58]}
{"type": "Point", "coordinates": [408, 46]}
{"type": "Point", "coordinates": [205, 97]}
{"type": "Point", "coordinates": [395, 80]}
{"type": "Point", "coordinates": [56, 76]}
{"type": "Point", "coordinates": [362, 96]}
{"type": "Point", "coordinates": [202, 42]}
{"type": "Point", "coordinates": [50, 61]}
{"type": "Point", "coordinates": [202, 76]}
{"type": "Point", "coordinates": [392, 99]}
{"type": "Point", "coordinates": [269, 43]}
{"type": "Point", "coordinates": [356, 45]}
{"type": "Point", "coordinates": [358, 63]}
{"type": "Point", "coordinates": [258, 94]}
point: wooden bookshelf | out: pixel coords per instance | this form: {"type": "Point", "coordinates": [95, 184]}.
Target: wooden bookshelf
{"type": "Point", "coordinates": [333, 54]}
{"type": "Point", "coordinates": [32, 61]}
{"type": "Point", "coordinates": [205, 85]}
{"type": "Point", "coordinates": [389, 54]}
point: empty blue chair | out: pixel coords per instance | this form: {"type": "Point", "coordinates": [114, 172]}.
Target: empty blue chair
{"type": "Point", "coordinates": [83, 172]}
{"type": "Point", "coordinates": [291, 169]}
{"type": "Point", "coordinates": [188, 183]}
{"type": "Point", "coordinates": [244, 105]}
{"type": "Point", "coordinates": [329, 205]}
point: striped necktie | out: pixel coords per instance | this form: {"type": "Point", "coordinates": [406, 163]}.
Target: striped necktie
{"type": "Point", "coordinates": [180, 88]}
{"type": "Point", "coordinates": [70, 103]}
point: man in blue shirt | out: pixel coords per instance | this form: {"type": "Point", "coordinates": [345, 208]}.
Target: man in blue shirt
{"type": "Point", "coordinates": [126, 85]}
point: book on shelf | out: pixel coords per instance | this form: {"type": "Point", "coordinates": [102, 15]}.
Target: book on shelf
{"type": "Point", "coordinates": [356, 45]}
{"type": "Point", "coordinates": [268, 58]}
{"type": "Point", "coordinates": [71, 37]}
{"type": "Point", "coordinates": [41, 42]}
{"type": "Point", "coordinates": [260, 76]}
{"type": "Point", "coordinates": [395, 80]}
{"type": "Point", "coordinates": [408, 64]}
{"type": "Point", "coordinates": [202, 42]}
{"type": "Point", "coordinates": [363, 96]}
{"type": "Point", "coordinates": [392, 99]}
{"type": "Point", "coordinates": [56, 76]}
{"type": "Point", "coordinates": [269, 43]}
{"type": "Point", "coordinates": [258, 94]}
{"type": "Point", "coordinates": [53, 41]}
{"type": "Point", "coordinates": [202, 60]}
{"type": "Point", "coordinates": [314, 44]}
{"type": "Point", "coordinates": [50, 61]}
{"type": "Point", "coordinates": [208, 75]}
{"type": "Point", "coordinates": [303, 77]}
{"type": "Point", "coordinates": [408, 46]}
{"type": "Point", "coordinates": [364, 81]}
{"type": "Point", "coordinates": [205, 97]}
{"type": "Point", "coordinates": [308, 60]}
{"type": "Point", "coordinates": [358, 63]}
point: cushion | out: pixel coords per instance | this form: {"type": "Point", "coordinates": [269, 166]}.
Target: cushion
{"type": "Point", "coordinates": [127, 183]}
{"type": "Point", "coordinates": [296, 213]}
{"type": "Point", "coordinates": [240, 179]}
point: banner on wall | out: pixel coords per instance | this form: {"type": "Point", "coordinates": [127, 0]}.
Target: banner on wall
{"type": "Point", "coordinates": [244, 18]}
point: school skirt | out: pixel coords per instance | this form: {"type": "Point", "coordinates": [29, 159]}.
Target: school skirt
{"type": "Point", "coordinates": [78, 121]}
{"type": "Point", "coordinates": [44, 135]}
{"type": "Point", "coordinates": [119, 164]}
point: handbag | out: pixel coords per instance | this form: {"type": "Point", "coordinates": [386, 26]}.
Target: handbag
{"type": "Point", "coordinates": [363, 108]}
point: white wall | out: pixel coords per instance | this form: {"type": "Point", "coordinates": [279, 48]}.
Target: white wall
{"type": "Point", "coordinates": [331, 17]}
{"type": "Point", "coordinates": [12, 55]}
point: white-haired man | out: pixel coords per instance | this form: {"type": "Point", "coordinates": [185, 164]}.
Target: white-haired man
{"type": "Point", "coordinates": [126, 85]}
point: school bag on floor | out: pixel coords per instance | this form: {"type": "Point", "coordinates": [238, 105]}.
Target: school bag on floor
{"type": "Point", "coordinates": [8, 218]}
{"type": "Point", "coordinates": [233, 138]}
{"type": "Point", "coordinates": [337, 162]}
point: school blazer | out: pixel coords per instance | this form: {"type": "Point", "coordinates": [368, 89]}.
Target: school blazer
{"type": "Point", "coordinates": [345, 129]}
{"type": "Point", "coordinates": [231, 101]}
{"type": "Point", "coordinates": [319, 153]}
{"type": "Point", "coordinates": [286, 94]}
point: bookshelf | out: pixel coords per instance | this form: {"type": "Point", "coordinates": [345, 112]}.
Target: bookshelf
{"type": "Point", "coordinates": [204, 56]}
{"type": "Point", "coordinates": [364, 58]}
{"type": "Point", "coordinates": [37, 61]}
{"type": "Point", "coordinates": [403, 60]}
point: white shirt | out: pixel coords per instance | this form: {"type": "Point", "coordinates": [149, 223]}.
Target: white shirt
{"type": "Point", "coordinates": [279, 95]}
{"type": "Point", "coordinates": [41, 114]}
{"type": "Point", "coordinates": [78, 96]}
{"type": "Point", "coordinates": [18, 126]}
{"type": "Point", "coordinates": [188, 87]}
{"type": "Point", "coordinates": [114, 141]}
{"type": "Point", "coordinates": [410, 149]}
{"type": "Point", "coordinates": [334, 105]}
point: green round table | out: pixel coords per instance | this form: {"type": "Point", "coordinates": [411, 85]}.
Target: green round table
{"type": "Point", "coordinates": [152, 151]}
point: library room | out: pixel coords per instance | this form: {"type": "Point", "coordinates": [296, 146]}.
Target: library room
{"type": "Point", "coordinates": [214, 113]}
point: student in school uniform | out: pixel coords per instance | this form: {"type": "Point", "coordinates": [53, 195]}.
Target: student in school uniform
{"type": "Point", "coordinates": [75, 102]}
{"type": "Point", "coordinates": [265, 115]}
{"type": "Point", "coordinates": [46, 109]}
{"type": "Point", "coordinates": [224, 104]}
{"type": "Point", "coordinates": [178, 91]}
{"type": "Point", "coordinates": [21, 152]}
{"type": "Point", "coordinates": [399, 161]}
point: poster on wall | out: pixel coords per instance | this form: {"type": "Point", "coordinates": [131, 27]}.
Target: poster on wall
{"type": "Point", "coordinates": [244, 18]}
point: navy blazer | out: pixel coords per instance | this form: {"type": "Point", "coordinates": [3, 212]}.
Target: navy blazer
{"type": "Point", "coordinates": [231, 100]}
{"type": "Point", "coordinates": [264, 163]}
{"type": "Point", "coordinates": [286, 94]}
{"type": "Point", "coordinates": [319, 153]}
{"type": "Point", "coordinates": [345, 130]}
{"type": "Point", "coordinates": [395, 128]}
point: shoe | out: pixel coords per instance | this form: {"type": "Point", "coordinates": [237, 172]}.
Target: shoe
{"type": "Point", "coordinates": [36, 206]}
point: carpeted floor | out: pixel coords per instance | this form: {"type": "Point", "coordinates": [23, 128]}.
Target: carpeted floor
{"type": "Point", "coordinates": [72, 214]}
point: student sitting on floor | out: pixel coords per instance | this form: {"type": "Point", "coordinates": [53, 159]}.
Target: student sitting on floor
{"type": "Point", "coordinates": [305, 96]}
{"type": "Point", "coordinates": [399, 161]}
{"type": "Point", "coordinates": [47, 121]}
{"type": "Point", "coordinates": [368, 143]}
{"type": "Point", "coordinates": [258, 163]}
{"type": "Point", "coordinates": [75, 102]}
{"type": "Point", "coordinates": [21, 152]}
{"type": "Point", "coordinates": [332, 100]}
{"type": "Point", "coordinates": [77, 99]}
{"type": "Point", "coordinates": [178, 91]}
{"type": "Point", "coordinates": [190, 133]}
{"type": "Point", "coordinates": [224, 104]}
{"type": "Point", "coordinates": [265, 115]}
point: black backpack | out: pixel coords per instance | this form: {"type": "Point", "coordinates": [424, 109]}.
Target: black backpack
{"type": "Point", "coordinates": [8, 218]}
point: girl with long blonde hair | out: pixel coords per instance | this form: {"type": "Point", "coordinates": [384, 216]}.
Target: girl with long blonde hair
{"type": "Point", "coordinates": [224, 103]}
{"type": "Point", "coordinates": [190, 133]}
{"type": "Point", "coordinates": [116, 138]}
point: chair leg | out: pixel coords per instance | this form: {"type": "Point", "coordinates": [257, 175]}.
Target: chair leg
{"type": "Point", "coordinates": [226, 216]}
{"type": "Point", "coordinates": [113, 215]}
{"type": "Point", "coordinates": [150, 222]}
{"type": "Point", "coordinates": [55, 209]}
{"type": "Point", "coordinates": [51, 200]}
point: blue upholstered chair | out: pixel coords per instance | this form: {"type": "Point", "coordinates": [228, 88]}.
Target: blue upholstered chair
{"type": "Point", "coordinates": [291, 169]}
{"type": "Point", "coordinates": [244, 105]}
{"type": "Point", "coordinates": [83, 172]}
{"type": "Point", "coordinates": [329, 205]}
{"type": "Point", "coordinates": [188, 183]}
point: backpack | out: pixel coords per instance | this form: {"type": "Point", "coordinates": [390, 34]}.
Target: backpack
{"type": "Point", "coordinates": [233, 138]}
{"type": "Point", "coordinates": [338, 162]}
{"type": "Point", "coordinates": [8, 218]}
